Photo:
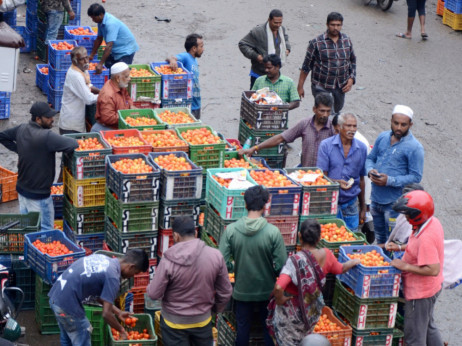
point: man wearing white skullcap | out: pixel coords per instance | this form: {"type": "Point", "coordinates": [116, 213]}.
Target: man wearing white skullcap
{"type": "Point", "coordinates": [396, 160]}
{"type": "Point", "coordinates": [112, 98]}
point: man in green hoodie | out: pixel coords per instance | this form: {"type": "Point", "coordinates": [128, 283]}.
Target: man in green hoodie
{"type": "Point", "coordinates": [259, 254]}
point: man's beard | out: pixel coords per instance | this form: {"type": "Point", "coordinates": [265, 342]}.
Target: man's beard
{"type": "Point", "coordinates": [399, 136]}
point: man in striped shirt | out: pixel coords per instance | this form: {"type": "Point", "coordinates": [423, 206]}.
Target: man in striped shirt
{"type": "Point", "coordinates": [332, 62]}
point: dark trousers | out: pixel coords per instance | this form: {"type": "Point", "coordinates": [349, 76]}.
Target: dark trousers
{"type": "Point", "coordinates": [128, 59]}
{"type": "Point", "coordinates": [185, 337]}
{"type": "Point", "coordinates": [244, 320]}
{"type": "Point", "coordinates": [337, 94]}
{"type": "Point", "coordinates": [63, 132]}
{"type": "Point", "coordinates": [196, 113]}
{"type": "Point", "coordinates": [252, 81]}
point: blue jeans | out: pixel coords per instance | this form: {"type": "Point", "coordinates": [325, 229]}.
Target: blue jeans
{"type": "Point", "coordinates": [244, 320]}
{"type": "Point", "coordinates": [44, 206]}
{"type": "Point", "coordinates": [74, 332]}
{"type": "Point", "coordinates": [384, 218]}
{"type": "Point", "coordinates": [55, 19]}
{"type": "Point", "coordinates": [349, 212]}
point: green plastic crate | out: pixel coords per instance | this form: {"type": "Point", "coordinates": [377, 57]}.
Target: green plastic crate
{"type": "Point", "coordinates": [101, 51]}
{"type": "Point", "coordinates": [177, 110]}
{"type": "Point", "coordinates": [144, 322]}
{"type": "Point", "coordinates": [398, 337]}
{"type": "Point", "coordinates": [136, 113]}
{"type": "Point", "coordinates": [214, 224]}
{"type": "Point", "coordinates": [125, 284]}
{"type": "Point", "coordinates": [42, 50]}
{"type": "Point", "coordinates": [372, 337]}
{"type": "Point", "coordinates": [209, 242]}
{"type": "Point", "coordinates": [259, 137]}
{"type": "Point", "coordinates": [12, 242]}
{"type": "Point", "coordinates": [85, 220]}
{"type": "Point", "coordinates": [95, 316]}
{"type": "Point", "coordinates": [151, 306]}
{"type": "Point", "coordinates": [132, 217]}
{"type": "Point", "coordinates": [145, 86]}
{"type": "Point", "coordinates": [44, 316]}
{"type": "Point", "coordinates": [204, 155]}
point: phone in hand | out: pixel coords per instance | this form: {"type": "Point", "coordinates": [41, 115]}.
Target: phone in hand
{"type": "Point", "coordinates": [377, 175]}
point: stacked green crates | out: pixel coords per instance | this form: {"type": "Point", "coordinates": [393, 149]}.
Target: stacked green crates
{"type": "Point", "coordinates": [44, 315]}
{"type": "Point", "coordinates": [95, 316]}
{"type": "Point", "coordinates": [147, 87]}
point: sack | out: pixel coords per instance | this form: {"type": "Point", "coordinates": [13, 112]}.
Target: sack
{"type": "Point", "coordinates": [10, 5]}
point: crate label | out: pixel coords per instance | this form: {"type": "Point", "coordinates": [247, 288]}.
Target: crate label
{"type": "Point", "coordinates": [334, 204]}
{"type": "Point", "coordinates": [125, 245]}
{"type": "Point", "coordinates": [154, 218]}
{"type": "Point", "coordinates": [285, 114]}
{"type": "Point", "coordinates": [359, 341]}
{"type": "Point", "coordinates": [293, 232]}
{"type": "Point", "coordinates": [362, 317]}
{"type": "Point", "coordinates": [133, 91]}
{"type": "Point", "coordinates": [257, 140]}
{"type": "Point", "coordinates": [80, 196]}
{"type": "Point", "coordinates": [125, 219]}
{"type": "Point", "coordinates": [196, 214]}
{"type": "Point", "coordinates": [392, 316]}
{"type": "Point", "coordinates": [280, 148]}
{"type": "Point", "coordinates": [389, 340]}
{"type": "Point", "coordinates": [347, 341]}
{"type": "Point", "coordinates": [366, 286]}
{"type": "Point", "coordinates": [155, 187]}
{"type": "Point", "coordinates": [80, 220]}
{"type": "Point", "coordinates": [80, 168]}
{"type": "Point", "coordinates": [126, 184]}
{"type": "Point", "coordinates": [267, 209]}
{"type": "Point", "coordinates": [306, 204]}
{"type": "Point", "coordinates": [396, 281]}
{"type": "Point", "coordinates": [153, 248]}
{"type": "Point", "coordinates": [165, 90]}
{"type": "Point", "coordinates": [165, 242]}
{"type": "Point", "coordinates": [157, 89]}
{"type": "Point", "coordinates": [283, 123]}
{"type": "Point", "coordinates": [190, 89]}
{"type": "Point", "coordinates": [296, 204]}
{"type": "Point", "coordinates": [167, 212]}
{"type": "Point", "coordinates": [229, 207]}
{"type": "Point", "coordinates": [401, 342]}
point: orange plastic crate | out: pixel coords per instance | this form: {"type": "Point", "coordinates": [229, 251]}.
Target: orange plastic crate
{"type": "Point", "coordinates": [184, 148]}
{"type": "Point", "coordinates": [440, 7]}
{"type": "Point", "coordinates": [453, 20]}
{"type": "Point", "coordinates": [116, 150]}
{"type": "Point", "coordinates": [339, 337]}
{"type": "Point", "coordinates": [8, 181]}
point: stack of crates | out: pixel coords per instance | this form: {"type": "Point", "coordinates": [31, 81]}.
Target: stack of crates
{"type": "Point", "coordinates": [261, 122]}
{"type": "Point", "coordinates": [141, 281]}
{"type": "Point", "coordinates": [5, 102]}
{"type": "Point", "coordinates": [29, 39]}
{"type": "Point", "coordinates": [452, 14]}
{"type": "Point", "coordinates": [44, 315]}
{"type": "Point", "coordinates": [84, 174]}
{"type": "Point", "coordinates": [367, 297]}
{"type": "Point", "coordinates": [8, 181]}
{"type": "Point", "coordinates": [10, 17]}
{"type": "Point", "coordinates": [144, 85]}
{"type": "Point", "coordinates": [177, 88]}
{"type": "Point", "coordinates": [94, 314]}
{"type": "Point", "coordinates": [132, 206]}
{"type": "Point", "coordinates": [41, 77]}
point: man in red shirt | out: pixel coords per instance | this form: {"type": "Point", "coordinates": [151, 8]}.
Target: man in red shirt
{"type": "Point", "coordinates": [422, 267]}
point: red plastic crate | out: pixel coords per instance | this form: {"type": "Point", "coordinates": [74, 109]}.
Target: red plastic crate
{"type": "Point", "coordinates": [143, 149]}
{"type": "Point", "coordinates": [142, 279]}
{"type": "Point", "coordinates": [288, 225]}
{"type": "Point", "coordinates": [165, 241]}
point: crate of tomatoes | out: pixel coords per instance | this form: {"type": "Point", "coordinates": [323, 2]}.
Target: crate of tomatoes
{"type": "Point", "coordinates": [57, 195]}
{"type": "Point", "coordinates": [84, 192]}
{"type": "Point", "coordinates": [337, 332]}
{"type": "Point", "coordinates": [226, 325]}
{"type": "Point", "coordinates": [59, 53]}
{"type": "Point", "coordinates": [50, 253]}
{"type": "Point", "coordinates": [127, 141]}
{"type": "Point", "coordinates": [83, 35]}
{"type": "Point", "coordinates": [176, 85]}
{"type": "Point", "coordinates": [144, 83]}
{"type": "Point", "coordinates": [164, 141]}
{"type": "Point", "coordinates": [263, 116]}
{"type": "Point", "coordinates": [140, 119]}
{"type": "Point", "coordinates": [140, 331]}
{"type": "Point", "coordinates": [176, 117]}
{"type": "Point", "coordinates": [14, 227]}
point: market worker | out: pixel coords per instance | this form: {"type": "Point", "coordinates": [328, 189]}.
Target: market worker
{"type": "Point", "coordinates": [121, 45]}
{"type": "Point", "coordinates": [192, 281]}
{"type": "Point", "coordinates": [94, 276]}
{"type": "Point", "coordinates": [312, 130]}
{"type": "Point", "coordinates": [277, 82]}
{"type": "Point", "coordinates": [396, 160]}
{"type": "Point", "coordinates": [77, 93]}
{"type": "Point", "coordinates": [54, 10]}
{"type": "Point", "coordinates": [36, 146]}
{"type": "Point", "coordinates": [422, 267]}
{"type": "Point", "coordinates": [112, 98]}
{"type": "Point", "coordinates": [342, 157]}
{"type": "Point", "coordinates": [194, 46]}
{"type": "Point", "coordinates": [259, 253]}
{"type": "Point", "coordinates": [264, 39]}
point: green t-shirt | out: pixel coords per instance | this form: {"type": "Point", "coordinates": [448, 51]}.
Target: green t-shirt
{"type": "Point", "coordinates": [284, 87]}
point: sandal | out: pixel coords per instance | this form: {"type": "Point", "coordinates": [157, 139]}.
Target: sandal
{"type": "Point", "coordinates": [424, 36]}
{"type": "Point", "coordinates": [401, 35]}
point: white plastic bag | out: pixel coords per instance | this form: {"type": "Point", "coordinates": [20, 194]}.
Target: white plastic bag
{"type": "Point", "coordinates": [10, 5]}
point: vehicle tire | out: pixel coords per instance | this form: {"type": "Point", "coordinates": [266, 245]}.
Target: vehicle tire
{"type": "Point", "coordinates": [385, 4]}
{"type": "Point", "coordinates": [366, 2]}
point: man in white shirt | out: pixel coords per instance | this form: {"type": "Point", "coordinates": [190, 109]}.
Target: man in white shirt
{"type": "Point", "coordinates": [77, 93]}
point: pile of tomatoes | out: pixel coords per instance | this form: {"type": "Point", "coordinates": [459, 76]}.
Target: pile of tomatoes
{"type": "Point", "coordinates": [166, 69]}
{"type": "Point", "coordinates": [332, 233]}
{"type": "Point", "coordinates": [201, 136]}
{"type": "Point", "coordinates": [63, 45]}
{"type": "Point", "coordinates": [53, 249]}
{"type": "Point", "coordinates": [130, 322]}
{"type": "Point", "coordinates": [234, 163]}
{"type": "Point", "coordinates": [271, 178]}
{"type": "Point", "coordinates": [370, 259]}
{"type": "Point", "coordinates": [140, 121]}
{"type": "Point", "coordinates": [125, 141]}
{"type": "Point", "coordinates": [175, 118]}
{"type": "Point", "coordinates": [81, 31]}
{"type": "Point", "coordinates": [222, 182]}
{"type": "Point", "coordinates": [320, 180]}
{"type": "Point", "coordinates": [44, 70]}
{"type": "Point", "coordinates": [132, 166]}
{"type": "Point", "coordinates": [163, 139]}
{"type": "Point", "coordinates": [57, 189]}
{"type": "Point", "coordinates": [173, 163]}
{"type": "Point", "coordinates": [326, 325]}
{"type": "Point", "coordinates": [89, 144]}
{"type": "Point", "coordinates": [140, 72]}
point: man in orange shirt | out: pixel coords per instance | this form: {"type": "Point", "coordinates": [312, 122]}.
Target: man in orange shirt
{"type": "Point", "coordinates": [113, 97]}
{"type": "Point", "coordinates": [422, 267]}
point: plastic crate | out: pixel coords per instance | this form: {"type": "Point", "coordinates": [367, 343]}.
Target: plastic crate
{"type": "Point", "coordinates": [47, 267]}
{"type": "Point", "coordinates": [85, 164]}
{"type": "Point", "coordinates": [29, 38]}
{"type": "Point", "coordinates": [54, 97]}
{"type": "Point", "coordinates": [56, 78]}
{"type": "Point", "coordinates": [318, 201]}
{"type": "Point", "coordinates": [338, 337]}
{"type": "Point", "coordinates": [60, 59]}
{"type": "Point", "coordinates": [175, 86]}
{"type": "Point", "coordinates": [144, 322]}
{"type": "Point", "coordinates": [137, 113]}
{"type": "Point", "coordinates": [82, 40]}
{"type": "Point", "coordinates": [84, 192]}
{"type": "Point", "coordinates": [41, 79]}
{"type": "Point", "coordinates": [32, 6]}
{"type": "Point", "coordinates": [258, 137]}
{"type": "Point", "coordinates": [142, 279]}
{"type": "Point", "coordinates": [260, 117]}
{"type": "Point", "coordinates": [370, 282]}
{"type": "Point", "coordinates": [148, 103]}
{"type": "Point", "coordinates": [141, 87]}
{"type": "Point", "coordinates": [12, 242]}
{"type": "Point", "coordinates": [141, 187]}
{"type": "Point", "coordinates": [226, 332]}
{"type": "Point", "coordinates": [372, 337]}
{"type": "Point", "coordinates": [453, 20]}
{"type": "Point", "coordinates": [92, 242]}
{"type": "Point", "coordinates": [204, 155]}
{"type": "Point", "coordinates": [186, 110]}
{"type": "Point", "coordinates": [169, 210]}
{"type": "Point", "coordinates": [258, 162]}
{"type": "Point", "coordinates": [84, 220]}
{"type": "Point", "coordinates": [23, 277]}
{"type": "Point", "coordinates": [95, 316]}
{"type": "Point", "coordinates": [41, 29]}
{"type": "Point", "coordinates": [151, 306]}
{"type": "Point", "coordinates": [179, 185]}
{"type": "Point", "coordinates": [42, 52]}
{"type": "Point", "coordinates": [10, 17]}
{"type": "Point", "coordinates": [276, 161]}
{"type": "Point", "coordinates": [288, 225]}
{"type": "Point", "coordinates": [283, 200]}
{"type": "Point", "coordinates": [371, 313]}
{"type": "Point", "coordinates": [455, 6]}
{"type": "Point", "coordinates": [76, 7]}
{"type": "Point", "coordinates": [31, 21]}
{"type": "Point", "coordinates": [184, 148]}
{"type": "Point", "coordinates": [5, 102]}
{"type": "Point", "coordinates": [398, 337]}
{"type": "Point", "coordinates": [44, 315]}
{"type": "Point", "coordinates": [98, 80]}
{"type": "Point", "coordinates": [209, 240]}
{"type": "Point", "coordinates": [8, 181]}
{"type": "Point", "coordinates": [145, 148]}
{"type": "Point", "coordinates": [58, 203]}
{"type": "Point", "coordinates": [165, 241]}
{"type": "Point", "coordinates": [229, 203]}
{"type": "Point", "coordinates": [214, 224]}
{"type": "Point", "coordinates": [125, 284]}
{"type": "Point", "coordinates": [132, 217]}
{"type": "Point", "coordinates": [440, 7]}
{"type": "Point", "coordinates": [121, 242]}
{"type": "Point", "coordinates": [178, 103]}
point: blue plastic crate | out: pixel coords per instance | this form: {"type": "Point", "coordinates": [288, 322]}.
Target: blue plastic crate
{"type": "Point", "coordinates": [54, 98]}
{"type": "Point", "coordinates": [82, 40]}
{"type": "Point", "coordinates": [259, 160]}
{"type": "Point", "coordinates": [60, 59]}
{"type": "Point", "coordinates": [10, 17]}
{"type": "Point", "coordinates": [76, 6]}
{"type": "Point", "coordinates": [58, 203]}
{"type": "Point", "coordinates": [370, 282]}
{"type": "Point", "coordinates": [454, 6]}
{"type": "Point", "coordinates": [29, 39]}
{"type": "Point", "coordinates": [47, 267]}
{"type": "Point", "coordinates": [92, 241]}
{"type": "Point", "coordinates": [31, 21]}
{"type": "Point", "coordinates": [176, 103]}
{"type": "Point", "coordinates": [175, 86]}
{"type": "Point", "coordinates": [41, 79]}
{"type": "Point", "coordinates": [56, 78]}
{"type": "Point", "coordinates": [32, 6]}
{"type": "Point", "coordinates": [5, 100]}
{"type": "Point", "coordinates": [98, 80]}
{"type": "Point", "coordinates": [75, 21]}
{"type": "Point", "coordinates": [41, 30]}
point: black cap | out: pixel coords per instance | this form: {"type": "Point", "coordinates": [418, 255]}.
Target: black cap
{"type": "Point", "coordinates": [42, 109]}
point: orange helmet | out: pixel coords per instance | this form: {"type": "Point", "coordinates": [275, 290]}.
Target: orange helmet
{"type": "Point", "coordinates": [417, 205]}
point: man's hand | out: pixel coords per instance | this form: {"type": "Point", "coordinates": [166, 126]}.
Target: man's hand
{"type": "Point", "coordinates": [392, 246]}
{"type": "Point", "coordinates": [71, 15]}
{"type": "Point", "coordinates": [247, 152]}
{"type": "Point", "coordinates": [287, 52]}
{"type": "Point", "coordinates": [173, 64]}
{"type": "Point", "coordinates": [379, 181]}
{"type": "Point", "coordinates": [301, 91]}
{"type": "Point", "coordinates": [348, 86]}
{"type": "Point", "coordinates": [91, 57]}
{"type": "Point", "coordinates": [343, 184]}
{"type": "Point", "coordinates": [260, 59]}
{"type": "Point", "coordinates": [123, 335]}
{"type": "Point", "coordinates": [362, 215]}
{"type": "Point", "coordinates": [122, 315]}
{"type": "Point", "coordinates": [99, 68]}
{"type": "Point", "coordinates": [399, 264]}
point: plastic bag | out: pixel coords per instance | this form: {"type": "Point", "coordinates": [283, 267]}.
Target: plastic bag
{"type": "Point", "coordinates": [10, 5]}
{"type": "Point", "coordinates": [266, 97]}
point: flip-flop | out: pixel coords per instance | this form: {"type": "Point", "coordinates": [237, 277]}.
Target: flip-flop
{"type": "Point", "coordinates": [424, 36]}
{"type": "Point", "coordinates": [401, 35]}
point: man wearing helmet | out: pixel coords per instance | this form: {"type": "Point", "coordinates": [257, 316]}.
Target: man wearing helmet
{"type": "Point", "coordinates": [422, 267]}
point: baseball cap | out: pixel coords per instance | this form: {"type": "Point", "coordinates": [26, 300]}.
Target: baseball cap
{"type": "Point", "coordinates": [42, 109]}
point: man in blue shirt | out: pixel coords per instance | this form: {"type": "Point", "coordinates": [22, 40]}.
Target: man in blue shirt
{"type": "Point", "coordinates": [121, 45]}
{"type": "Point", "coordinates": [396, 160]}
{"type": "Point", "coordinates": [98, 277]}
{"type": "Point", "coordinates": [343, 158]}
{"type": "Point", "coordinates": [194, 46]}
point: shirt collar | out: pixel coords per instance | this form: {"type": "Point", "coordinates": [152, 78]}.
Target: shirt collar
{"type": "Point", "coordinates": [105, 18]}
{"type": "Point", "coordinates": [279, 79]}
{"type": "Point", "coordinates": [338, 141]}
{"type": "Point", "coordinates": [422, 228]}
{"type": "Point", "coordinates": [114, 86]}
{"type": "Point", "coordinates": [403, 139]}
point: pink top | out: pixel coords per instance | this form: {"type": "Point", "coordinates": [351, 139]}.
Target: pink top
{"type": "Point", "coordinates": [331, 265]}
{"type": "Point", "coordinates": [424, 248]}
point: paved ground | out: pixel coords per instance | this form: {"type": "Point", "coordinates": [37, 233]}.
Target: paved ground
{"type": "Point", "coordinates": [423, 75]}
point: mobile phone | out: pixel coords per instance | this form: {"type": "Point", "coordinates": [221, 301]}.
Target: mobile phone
{"type": "Point", "coordinates": [377, 175]}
